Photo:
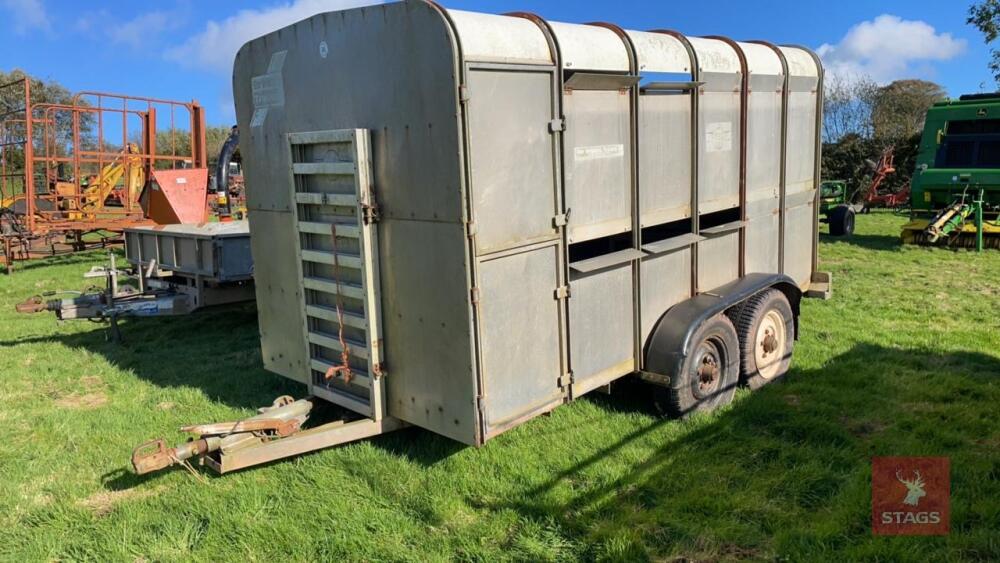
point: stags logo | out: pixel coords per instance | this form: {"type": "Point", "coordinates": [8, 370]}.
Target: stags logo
{"type": "Point", "coordinates": [910, 495]}
{"type": "Point", "coordinates": [914, 489]}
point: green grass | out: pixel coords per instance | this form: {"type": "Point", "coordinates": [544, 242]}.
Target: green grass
{"type": "Point", "coordinates": [904, 360]}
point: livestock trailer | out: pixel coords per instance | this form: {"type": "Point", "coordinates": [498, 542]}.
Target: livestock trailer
{"type": "Point", "coordinates": [461, 221]}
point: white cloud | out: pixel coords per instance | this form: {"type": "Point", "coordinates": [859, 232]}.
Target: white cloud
{"type": "Point", "coordinates": [888, 48]}
{"type": "Point", "coordinates": [139, 30]}
{"type": "Point", "coordinates": [136, 33]}
{"type": "Point", "coordinates": [27, 15]}
{"type": "Point", "coordinates": [215, 47]}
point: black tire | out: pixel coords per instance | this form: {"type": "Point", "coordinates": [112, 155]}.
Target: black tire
{"type": "Point", "coordinates": [710, 374]}
{"type": "Point", "coordinates": [765, 325]}
{"type": "Point", "coordinates": [841, 221]}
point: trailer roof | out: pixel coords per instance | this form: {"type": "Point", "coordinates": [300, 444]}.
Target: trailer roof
{"type": "Point", "coordinates": [761, 59]}
{"type": "Point", "coordinates": [522, 39]}
{"type": "Point", "coordinates": [590, 47]}
{"type": "Point", "coordinates": [660, 52]}
{"type": "Point", "coordinates": [800, 62]}
{"type": "Point", "coordinates": [490, 38]}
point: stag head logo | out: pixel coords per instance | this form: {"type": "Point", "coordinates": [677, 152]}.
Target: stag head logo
{"type": "Point", "coordinates": [923, 508]}
{"type": "Point", "coordinates": [914, 488]}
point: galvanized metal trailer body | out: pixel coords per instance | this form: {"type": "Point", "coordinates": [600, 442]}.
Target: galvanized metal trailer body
{"type": "Point", "coordinates": [502, 208]}
{"type": "Point", "coordinates": [178, 269]}
{"type": "Point", "coordinates": [217, 251]}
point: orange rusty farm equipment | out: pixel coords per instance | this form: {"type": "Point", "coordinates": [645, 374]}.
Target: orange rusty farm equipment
{"type": "Point", "coordinates": [90, 166]}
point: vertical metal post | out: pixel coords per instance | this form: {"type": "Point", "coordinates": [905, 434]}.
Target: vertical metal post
{"type": "Point", "coordinates": [978, 203]}
{"type": "Point", "coordinates": [199, 148]}
{"type": "Point", "coordinates": [29, 159]}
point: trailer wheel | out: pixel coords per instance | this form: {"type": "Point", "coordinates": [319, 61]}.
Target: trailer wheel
{"type": "Point", "coordinates": [710, 373]}
{"type": "Point", "coordinates": [766, 328]}
{"type": "Point", "coordinates": [841, 221]}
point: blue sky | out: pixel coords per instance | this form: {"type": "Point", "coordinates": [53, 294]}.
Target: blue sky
{"type": "Point", "coordinates": [183, 49]}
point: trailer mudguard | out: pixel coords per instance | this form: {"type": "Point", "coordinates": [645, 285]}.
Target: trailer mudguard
{"type": "Point", "coordinates": [670, 342]}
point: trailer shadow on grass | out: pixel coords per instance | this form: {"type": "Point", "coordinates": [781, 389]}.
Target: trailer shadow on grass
{"type": "Point", "coordinates": [216, 350]}
{"type": "Point", "coordinates": [781, 467]}
{"type": "Point", "coordinates": [870, 242]}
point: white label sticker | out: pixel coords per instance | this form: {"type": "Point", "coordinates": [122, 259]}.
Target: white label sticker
{"type": "Point", "coordinates": [719, 137]}
{"type": "Point", "coordinates": [599, 152]}
{"type": "Point", "coordinates": [268, 90]}
{"type": "Point", "coordinates": [277, 62]}
{"type": "Point", "coordinates": [181, 180]}
{"type": "Point", "coordinates": [259, 115]}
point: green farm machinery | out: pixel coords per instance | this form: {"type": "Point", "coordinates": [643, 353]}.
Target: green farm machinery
{"type": "Point", "coordinates": [836, 208]}
{"type": "Point", "coordinates": [956, 185]}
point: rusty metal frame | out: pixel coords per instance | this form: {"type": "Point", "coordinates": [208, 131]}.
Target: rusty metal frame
{"type": "Point", "coordinates": [44, 127]}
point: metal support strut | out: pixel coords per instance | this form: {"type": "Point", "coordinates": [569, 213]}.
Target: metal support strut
{"type": "Point", "coordinates": [275, 433]}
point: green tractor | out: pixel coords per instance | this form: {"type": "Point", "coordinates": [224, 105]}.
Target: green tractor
{"type": "Point", "coordinates": [956, 185]}
{"type": "Point", "coordinates": [836, 208]}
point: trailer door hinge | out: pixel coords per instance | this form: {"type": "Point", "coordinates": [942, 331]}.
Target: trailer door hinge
{"type": "Point", "coordinates": [557, 125]}
{"type": "Point", "coordinates": [562, 292]}
{"type": "Point", "coordinates": [560, 220]}
{"type": "Point", "coordinates": [474, 296]}
{"type": "Point", "coordinates": [370, 213]}
{"type": "Point", "coordinates": [481, 403]}
{"type": "Point", "coordinates": [566, 379]}
{"type": "Point", "coordinates": [463, 94]}
{"type": "Point", "coordinates": [471, 228]}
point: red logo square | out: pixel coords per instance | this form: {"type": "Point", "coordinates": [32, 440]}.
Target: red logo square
{"type": "Point", "coordinates": [911, 496]}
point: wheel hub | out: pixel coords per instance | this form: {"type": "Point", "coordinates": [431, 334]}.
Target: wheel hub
{"type": "Point", "coordinates": [707, 369]}
{"type": "Point", "coordinates": [770, 344]}
{"type": "Point", "coordinates": [708, 372]}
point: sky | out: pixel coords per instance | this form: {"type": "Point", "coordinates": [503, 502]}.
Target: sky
{"type": "Point", "coordinates": [183, 49]}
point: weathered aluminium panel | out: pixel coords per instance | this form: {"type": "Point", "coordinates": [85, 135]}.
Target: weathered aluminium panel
{"type": "Point", "coordinates": [520, 336]}
{"type": "Point", "coordinates": [800, 188]}
{"type": "Point", "coordinates": [436, 387]}
{"type": "Point", "coordinates": [601, 319]}
{"type": "Point", "coordinates": [719, 144]}
{"type": "Point", "coordinates": [597, 146]}
{"type": "Point", "coordinates": [278, 293]}
{"type": "Point", "coordinates": [801, 134]}
{"type": "Point", "coordinates": [718, 260]}
{"type": "Point", "coordinates": [799, 232]}
{"type": "Point", "coordinates": [762, 250]}
{"type": "Point", "coordinates": [666, 281]}
{"type": "Point", "coordinates": [664, 157]}
{"type": "Point", "coordinates": [513, 181]}
{"type": "Point", "coordinates": [763, 185]}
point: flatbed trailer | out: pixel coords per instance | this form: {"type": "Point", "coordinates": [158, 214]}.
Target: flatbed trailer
{"type": "Point", "coordinates": [174, 270]}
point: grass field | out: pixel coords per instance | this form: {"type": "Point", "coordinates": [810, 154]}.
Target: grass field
{"type": "Point", "coordinates": [904, 360]}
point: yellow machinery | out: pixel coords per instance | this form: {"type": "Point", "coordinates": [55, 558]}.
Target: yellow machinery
{"type": "Point", "coordinates": [100, 188]}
